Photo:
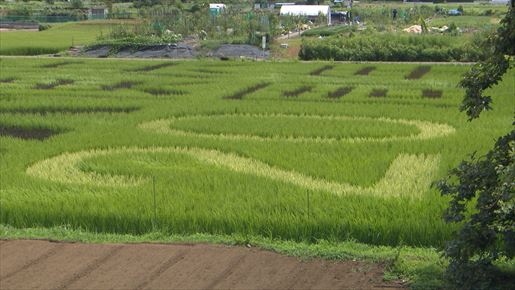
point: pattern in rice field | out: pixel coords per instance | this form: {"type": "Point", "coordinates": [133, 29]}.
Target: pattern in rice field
{"type": "Point", "coordinates": [68, 110]}
{"type": "Point", "coordinates": [27, 133]}
{"type": "Point", "coordinates": [418, 72]}
{"type": "Point", "coordinates": [365, 71]}
{"type": "Point", "coordinates": [154, 67]}
{"type": "Point", "coordinates": [240, 94]}
{"type": "Point", "coordinates": [426, 130]}
{"type": "Point", "coordinates": [408, 174]}
{"type": "Point", "coordinates": [433, 94]}
{"type": "Point", "coordinates": [319, 71]}
{"type": "Point", "coordinates": [54, 84]}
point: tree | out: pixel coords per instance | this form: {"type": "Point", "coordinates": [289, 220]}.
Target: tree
{"type": "Point", "coordinates": [76, 4]}
{"type": "Point", "coordinates": [482, 190]}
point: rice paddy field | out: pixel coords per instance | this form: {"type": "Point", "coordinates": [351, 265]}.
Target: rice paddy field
{"type": "Point", "coordinates": [287, 150]}
{"type": "Point", "coordinates": [59, 37]}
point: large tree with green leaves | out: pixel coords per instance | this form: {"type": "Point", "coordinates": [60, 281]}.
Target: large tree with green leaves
{"type": "Point", "coordinates": [482, 190]}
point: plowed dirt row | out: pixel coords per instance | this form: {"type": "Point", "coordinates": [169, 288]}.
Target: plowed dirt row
{"type": "Point", "coordinates": [37, 264]}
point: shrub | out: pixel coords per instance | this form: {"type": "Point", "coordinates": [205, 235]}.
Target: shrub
{"type": "Point", "coordinates": [76, 4]}
{"type": "Point", "coordinates": [42, 27]}
{"type": "Point", "coordinates": [391, 47]}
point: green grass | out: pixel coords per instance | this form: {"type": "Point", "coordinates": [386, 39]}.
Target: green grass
{"type": "Point", "coordinates": [59, 37]}
{"type": "Point", "coordinates": [301, 169]}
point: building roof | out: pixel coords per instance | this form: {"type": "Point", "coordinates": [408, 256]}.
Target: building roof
{"type": "Point", "coordinates": [306, 10]}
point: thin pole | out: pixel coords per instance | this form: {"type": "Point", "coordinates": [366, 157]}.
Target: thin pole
{"type": "Point", "coordinates": [155, 206]}
{"type": "Point", "coordinates": [308, 206]}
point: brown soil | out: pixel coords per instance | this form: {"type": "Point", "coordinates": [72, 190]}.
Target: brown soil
{"type": "Point", "coordinates": [27, 133]}
{"type": "Point", "coordinates": [319, 71]}
{"type": "Point", "coordinates": [58, 265]}
{"type": "Point", "coordinates": [56, 83]}
{"type": "Point", "coordinates": [418, 72]}
{"type": "Point", "coordinates": [365, 71]}
{"type": "Point", "coordinates": [434, 94]}
{"type": "Point", "coordinates": [340, 92]}
{"type": "Point", "coordinates": [295, 93]}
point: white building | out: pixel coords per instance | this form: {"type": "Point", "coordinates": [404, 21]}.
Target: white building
{"type": "Point", "coordinates": [309, 11]}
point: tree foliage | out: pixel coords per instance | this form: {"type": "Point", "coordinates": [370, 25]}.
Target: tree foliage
{"type": "Point", "coordinates": [482, 190]}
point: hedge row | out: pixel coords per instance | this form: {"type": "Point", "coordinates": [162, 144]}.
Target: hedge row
{"type": "Point", "coordinates": [392, 47]}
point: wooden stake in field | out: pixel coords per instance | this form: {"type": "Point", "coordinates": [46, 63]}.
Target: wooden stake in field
{"type": "Point", "coordinates": [154, 220]}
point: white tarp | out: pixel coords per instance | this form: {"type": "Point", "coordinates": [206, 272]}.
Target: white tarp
{"type": "Point", "coordinates": [216, 6]}
{"type": "Point", "coordinates": [307, 10]}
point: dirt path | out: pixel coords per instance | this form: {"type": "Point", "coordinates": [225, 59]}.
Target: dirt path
{"type": "Point", "coordinates": [36, 264]}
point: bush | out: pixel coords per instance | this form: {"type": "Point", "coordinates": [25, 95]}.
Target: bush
{"type": "Point", "coordinates": [42, 27]}
{"type": "Point", "coordinates": [391, 47]}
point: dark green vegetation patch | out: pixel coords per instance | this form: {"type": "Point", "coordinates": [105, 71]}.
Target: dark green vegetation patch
{"type": "Point", "coordinates": [418, 72]}
{"type": "Point", "coordinates": [340, 92]}
{"type": "Point", "coordinates": [54, 84]}
{"type": "Point", "coordinates": [7, 80]}
{"type": "Point", "coordinates": [27, 133]}
{"type": "Point", "coordinates": [154, 67]}
{"type": "Point", "coordinates": [319, 71]}
{"type": "Point", "coordinates": [433, 94]}
{"type": "Point", "coordinates": [68, 110]}
{"type": "Point", "coordinates": [297, 92]}
{"type": "Point", "coordinates": [378, 93]}
{"type": "Point", "coordinates": [240, 94]}
{"type": "Point", "coordinates": [365, 71]}
{"type": "Point", "coordinates": [120, 85]}
{"type": "Point", "coordinates": [163, 92]}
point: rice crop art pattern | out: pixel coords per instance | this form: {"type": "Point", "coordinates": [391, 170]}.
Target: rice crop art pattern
{"type": "Point", "coordinates": [235, 147]}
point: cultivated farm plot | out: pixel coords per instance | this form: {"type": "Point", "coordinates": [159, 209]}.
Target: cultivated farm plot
{"type": "Point", "coordinates": [283, 150]}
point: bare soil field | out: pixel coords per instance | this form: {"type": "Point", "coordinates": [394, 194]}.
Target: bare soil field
{"type": "Point", "coordinates": [39, 264]}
